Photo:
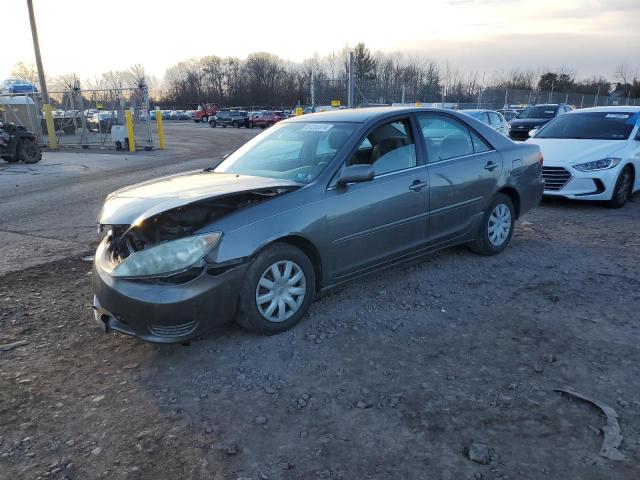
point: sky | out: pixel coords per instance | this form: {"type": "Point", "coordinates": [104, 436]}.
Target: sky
{"type": "Point", "coordinates": [88, 37]}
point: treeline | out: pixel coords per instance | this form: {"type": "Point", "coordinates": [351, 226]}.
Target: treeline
{"type": "Point", "coordinates": [265, 79]}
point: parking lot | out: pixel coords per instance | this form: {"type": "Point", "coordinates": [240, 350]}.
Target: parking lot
{"type": "Point", "coordinates": [396, 376]}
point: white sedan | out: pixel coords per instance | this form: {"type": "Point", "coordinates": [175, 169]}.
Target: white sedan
{"type": "Point", "coordinates": [592, 154]}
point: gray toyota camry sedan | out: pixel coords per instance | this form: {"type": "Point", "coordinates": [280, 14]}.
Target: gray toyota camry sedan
{"type": "Point", "coordinates": [310, 203]}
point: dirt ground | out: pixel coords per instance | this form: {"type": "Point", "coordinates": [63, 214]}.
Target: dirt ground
{"type": "Point", "coordinates": [392, 377]}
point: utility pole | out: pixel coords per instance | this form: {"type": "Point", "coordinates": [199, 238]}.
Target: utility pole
{"type": "Point", "coordinates": [43, 83]}
{"type": "Point", "coordinates": [350, 85]}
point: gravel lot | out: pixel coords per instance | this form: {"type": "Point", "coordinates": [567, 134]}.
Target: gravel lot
{"type": "Point", "coordinates": [403, 375]}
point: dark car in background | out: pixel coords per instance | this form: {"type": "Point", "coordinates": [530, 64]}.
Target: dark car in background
{"type": "Point", "coordinates": [313, 202]}
{"type": "Point", "coordinates": [534, 117]}
{"type": "Point", "coordinates": [230, 118]}
{"type": "Point", "coordinates": [101, 122]}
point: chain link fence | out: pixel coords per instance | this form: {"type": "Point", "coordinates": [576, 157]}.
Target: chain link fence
{"type": "Point", "coordinates": [85, 118]}
{"type": "Point", "coordinates": [372, 93]}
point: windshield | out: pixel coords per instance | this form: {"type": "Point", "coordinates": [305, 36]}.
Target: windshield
{"type": "Point", "coordinates": [540, 111]}
{"type": "Point", "coordinates": [591, 125]}
{"type": "Point", "coordinates": [293, 151]}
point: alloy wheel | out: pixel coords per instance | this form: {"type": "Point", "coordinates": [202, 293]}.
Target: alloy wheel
{"type": "Point", "coordinates": [499, 225]}
{"type": "Point", "coordinates": [281, 291]}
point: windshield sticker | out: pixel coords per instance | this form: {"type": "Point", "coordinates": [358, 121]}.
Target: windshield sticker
{"type": "Point", "coordinates": [618, 115]}
{"type": "Point", "coordinates": [317, 127]}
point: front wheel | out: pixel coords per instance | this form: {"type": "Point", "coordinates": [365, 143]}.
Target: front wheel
{"type": "Point", "coordinates": [205, 119]}
{"type": "Point", "coordinates": [212, 124]}
{"type": "Point", "coordinates": [623, 188]}
{"type": "Point", "coordinates": [278, 288]}
{"type": "Point", "coordinates": [497, 225]}
{"type": "Point", "coordinates": [29, 152]}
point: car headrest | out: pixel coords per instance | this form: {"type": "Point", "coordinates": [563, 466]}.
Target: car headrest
{"type": "Point", "coordinates": [337, 139]}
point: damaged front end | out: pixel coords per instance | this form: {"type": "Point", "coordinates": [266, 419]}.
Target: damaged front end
{"type": "Point", "coordinates": [151, 278]}
{"type": "Point", "coordinates": [152, 230]}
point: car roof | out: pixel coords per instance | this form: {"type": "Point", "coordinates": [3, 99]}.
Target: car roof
{"type": "Point", "coordinates": [613, 109]}
{"type": "Point", "coordinates": [475, 110]}
{"type": "Point", "coordinates": [360, 115]}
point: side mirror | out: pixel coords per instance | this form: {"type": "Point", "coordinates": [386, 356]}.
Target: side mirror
{"type": "Point", "coordinates": [355, 174]}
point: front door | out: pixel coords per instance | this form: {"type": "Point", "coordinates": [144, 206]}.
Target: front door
{"type": "Point", "coordinates": [371, 222]}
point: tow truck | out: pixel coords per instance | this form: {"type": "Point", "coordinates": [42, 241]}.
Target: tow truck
{"type": "Point", "coordinates": [203, 111]}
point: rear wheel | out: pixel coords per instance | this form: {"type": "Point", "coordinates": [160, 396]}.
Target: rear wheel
{"type": "Point", "coordinates": [212, 124]}
{"type": "Point", "coordinates": [29, 152]}
{"type": "Point", "coordinates": [497, 227]}
{"type": "Point", "coordinates": [623, 188]}
{"type": "Point", "coordinates": [278, 288]}
{"type": "Point", "coordinates": [205, 119]}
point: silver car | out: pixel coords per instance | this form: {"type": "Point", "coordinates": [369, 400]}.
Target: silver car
{"type": "Point", "coordinates": [489, 117]}
{"type": "Point", "coordinates": [310, 203]}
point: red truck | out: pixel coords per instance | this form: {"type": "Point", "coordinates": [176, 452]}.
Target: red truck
{"type": "Point", "coordinates": [265, 119]}
{"type": "Point", "coordinates": [203, 111]}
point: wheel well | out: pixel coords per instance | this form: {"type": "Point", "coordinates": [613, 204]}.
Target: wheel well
{"type": "Point", "coordinates": [310, 251]}
{"type": "Point", "coordinates": [633, 172]}
{"type": "Point", "coordinates": [514, 196]}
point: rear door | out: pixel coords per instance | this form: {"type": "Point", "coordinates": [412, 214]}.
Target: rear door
{"type": "Point", "coordinates": [372, 222]}
{"type": "Point", "coordinates": [464, 170]}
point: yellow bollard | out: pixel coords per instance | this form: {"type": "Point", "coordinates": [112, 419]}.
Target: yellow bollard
{"type": "Point", "coordinates": [160, 129]}
{"type": "Point", "coordinates": [51, 129]}
{"type": "Point", "coordinates": [299, 111]}
{"type": "Point", "coordinates": [132, 140]}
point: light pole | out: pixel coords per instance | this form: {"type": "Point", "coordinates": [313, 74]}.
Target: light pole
{"type": "Point", "coordinates": [46, 107]}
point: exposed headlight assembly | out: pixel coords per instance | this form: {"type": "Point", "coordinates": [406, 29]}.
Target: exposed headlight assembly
{"type": "Point", "coordinates": [603, 164]}
{"type": "Point", "coordinates": [167, 258]}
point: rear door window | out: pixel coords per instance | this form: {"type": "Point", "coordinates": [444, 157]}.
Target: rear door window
{"type": "Point", "coordinates": [445, 137]}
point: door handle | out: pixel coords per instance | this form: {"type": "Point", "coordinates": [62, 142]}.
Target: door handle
{"type": "Point", "coordinates": [490, 166]}
{"type": "Point", "coordinates": [418, 185]}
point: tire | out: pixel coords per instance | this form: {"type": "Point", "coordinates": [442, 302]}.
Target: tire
{"type": "Point", "coordinates": [622, 190]}
{"type": "Point", "coordinates": [254, 317]}
{"type": "Point", "coordinates": [493, 239]}
{"type": "Point", "coordinates": [235, 125]}
{"type": "Point", "coordinates": [212, 124]}
{"type": "Point", "coordinates": [251, 125]}
{"type": "Point", "coordinates": [11, 158]}
{"type": "Point", "coordinates": [205, 119]}
{"type": "Point", "coordinates": [29, 152]}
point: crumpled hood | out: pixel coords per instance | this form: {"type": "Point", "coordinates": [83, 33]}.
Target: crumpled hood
{"type": "Point", "coordinates": [573, 151]}
{"type": "Point", "coordinates": [143, 200]}
{"type": "Point", "coordinates": [528, 123]}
